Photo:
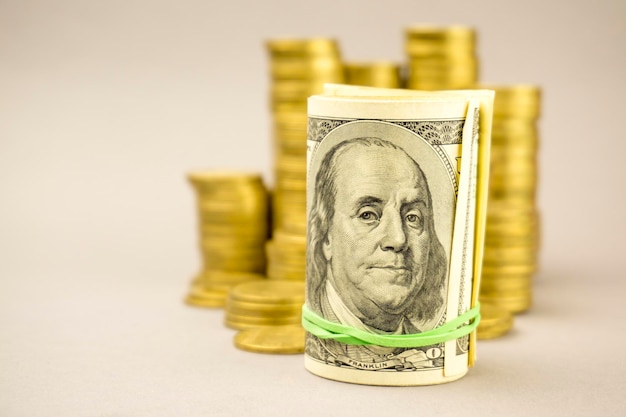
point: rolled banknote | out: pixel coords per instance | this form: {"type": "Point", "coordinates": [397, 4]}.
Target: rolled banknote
{"type": "Point", "coordinates": [396, 188]}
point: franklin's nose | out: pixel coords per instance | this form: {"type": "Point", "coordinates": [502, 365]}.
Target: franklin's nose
{"type": "Point", "coordinates": [393, 235]}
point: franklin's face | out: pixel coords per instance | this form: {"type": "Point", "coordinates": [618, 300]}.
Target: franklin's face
{"type": "Point", "coordinates": [378, 242]}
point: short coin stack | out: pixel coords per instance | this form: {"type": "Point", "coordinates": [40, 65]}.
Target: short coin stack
{"type": "Point", "coordinates": [264, 303]}
{"type": "Point", "coordinates": [233, 222]}
{"type": "Point", "coordinates": [299, 68]}
{"type": "Point", "coordinates": [512, 228]}
{"type": "Point", "coordinates": [381, 74]}
{"type": "Point", "coordinates": [288, 338]}
{"type": "Point", "coordinates": [495, 321]}
{"type": "Point", "coordinates": [441, 58]}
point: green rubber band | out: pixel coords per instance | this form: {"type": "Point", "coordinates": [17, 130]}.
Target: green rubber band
{"type": "Point", "coordinates": [324, 329]}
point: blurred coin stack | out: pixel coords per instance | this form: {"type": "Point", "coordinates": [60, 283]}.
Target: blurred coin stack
{"type": "Point", "coordinates": [441, 58]}
{"type": "Point", "coordinates": [512, 228]}
{"type": "Point", "coordinates": [233, 230]}
{"type": "Point", "coordinates": [286, 256]}
{"type": "Point", "coordinates": [495, 321]}
{"type": "Point", "coordinates": [285, 338]}
{"type": "Point", "coordinates": [374, 74]}
{"type": "Point", "coordinates": [264, 303]}
{"type": "Point", "coordinates": [299, 68]}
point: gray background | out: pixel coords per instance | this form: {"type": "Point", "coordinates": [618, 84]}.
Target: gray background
{"type": "Point", "coordinates": [104, 108]}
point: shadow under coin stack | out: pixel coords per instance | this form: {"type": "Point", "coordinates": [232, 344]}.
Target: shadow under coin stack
{"type": "Point", "coordinates": [233, 222]}
{"type": "Point", "coordinates": [512, 228]}
{"type": "Point", "coordinates": [441, 58]}
{"type": "Point", "coordinates": [380, 74]}
{"type": "Point", "coordinates": [299, 68]}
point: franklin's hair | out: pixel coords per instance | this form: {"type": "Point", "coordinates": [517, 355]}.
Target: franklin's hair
{"type": "Point", "coordinates": [429, 298]}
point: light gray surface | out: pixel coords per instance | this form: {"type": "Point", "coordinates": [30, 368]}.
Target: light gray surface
{"type": "Point", "coordinates": [105, 106]}
{"type": "Point", "coordinates": [111, 346]}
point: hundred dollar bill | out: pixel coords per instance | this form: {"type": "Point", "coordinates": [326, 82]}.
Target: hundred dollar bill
{"type": "Point", "coordinates": [396, 188]}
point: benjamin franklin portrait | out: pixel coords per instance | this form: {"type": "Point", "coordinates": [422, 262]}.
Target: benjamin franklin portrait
{"type": "Point", "coordinates": [374, 260]}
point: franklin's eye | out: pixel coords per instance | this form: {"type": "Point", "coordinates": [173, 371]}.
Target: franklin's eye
{"type": "Point", "coordinates": [368, 216]}
{"type": "Point", "coordinates": [414, 220]}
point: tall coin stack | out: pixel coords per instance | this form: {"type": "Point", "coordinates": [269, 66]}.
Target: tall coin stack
{"type": "Point", "coordinates": [512, 228]}
{"type": "Point", "coordinates": [299, 68]}
{"type": "Point", "coordinates": [233, 222]}
{"type": "Point", "coordinates": [381, 74]}
{"type": "Point", "coordinates": [441, 58]}
{"type": "Point", "coordinates": [286, 256]}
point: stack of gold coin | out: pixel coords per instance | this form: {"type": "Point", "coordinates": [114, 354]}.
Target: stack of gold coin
{"type": "Point", "coordinates": [283, 339]}
{"type": "Point", "coordinates": [495, 321]}
{"type": "Point", "coordinates": [512, 228]}
{"type": "Point", "coordinates": [299, 68]}
{"type": "Point", "coordinates": [286, 255]}
{"type": "Point", "coordinates": [290, 172]}
{"type": "Point", "coordinates": [210, 287]}
{"type": "Point", "coordinates": [441, 58]}
{"type": "Point", "coordinates": [264, 303]}
{"type": "Point", "coordinates": [381, 74]}
{"type": "Point", "coordinates": [233, 221]}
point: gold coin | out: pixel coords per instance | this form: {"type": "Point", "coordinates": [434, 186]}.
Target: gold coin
{"type": "Point", "coordinates": [495, 321]}
{"type": "Point", "coordinates": [295, 225]}
{"type": "Point", "coordinates": [295, 135]}
{"type": "Point", "coordinates": [428, 40]}
{"type": "Point", "coordinates": [497, 287]}
{"type": "Point", "coordinates": [263, 320]}
{"type": "Point", "coordinates": [432, 85]}
{"type": "Point", "coordinates": [436, 69]}
{"type": "Point", "coordinates": [295, 89]}
{"type": "Point", "coordinates": [326, 67]}
{"type": "Point", "coordinates": [274, 292]}
{"type": "Point", "coordinates": [510, 254]}
{"type": "Point", "coordinates": [439, 33]}
{"type": "Point", "coordinates": [503, 229]}
{"type": "Point", "coordinates": [498, 240]}
{"type": "Point", "coordinates": [243, 308]}
{"type": "Point", "coordinates": [514, 304]}
{"type": "Point", "coordinates": [509, 269]}
{"type": "Point", "coordinates": [374, 74]}
{"type": "Point", "coordinates": [291, 185]}
{"type": "Point", "coordinates": [299, 104]}
{"type": "Point", "coordinates": [237, 324]}
{"type": "Point", "coordinates": [302, 46]}
{"type": "Point", "coordinates": [272, 339]}
{"type": "Point", "coordinates": [224, 177]}
{"type": "Point", "coordinates": [508, 299]}
{"type": "Point", "coordinates": [287, 264]}
{"type": "Point", "coordinates": [500, 188]}
{"type": "Point", "coordinates": [528, 140]}
{"type": "Point", "coordinates": [519, 101]}
{"type": "Point", "coordinates": [248, 234]}
{"type": "Point", "coordinates": [290, 119]}
{"type": "Point", "coordinates": [289, 238]}
{"type": "Point", "coordinates": [218, 277]}
{"type": "Point", "coordinates": [505, 127]}
{"type": "Point", "coordinates": [293, 276]}
{"type": "Point", "coordinates": [237, 208]}
{"type": "Point", "coordinates": [234, 267]}
{"type": "Point", "coordinates": [285, 254]}
{"type": "Point", "coordinates": [200, 297]}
